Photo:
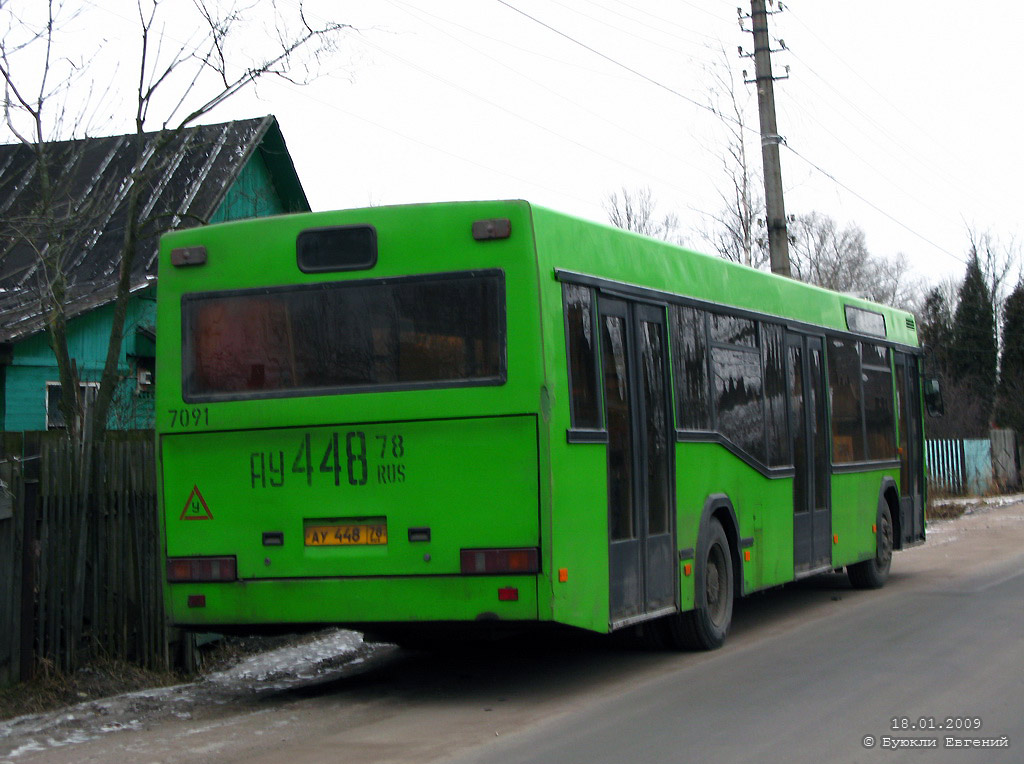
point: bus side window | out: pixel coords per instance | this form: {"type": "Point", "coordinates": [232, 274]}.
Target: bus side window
{"type": "Point", "coordinates": [581, 350]}
{"type": "Point", "coordinates": [863, 411]}
{"type": "Point", "coordinates": [845, 390]}
{"type": "Point", "coordinates": [690, 359]}
{"type": "Point", "coordinates": [879, 409]}
{"type": "Point", "coordinates": [773, 357]}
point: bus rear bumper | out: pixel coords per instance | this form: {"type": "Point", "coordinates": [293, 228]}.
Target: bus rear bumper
{"type": "Point", "coordinates": [351, 601]}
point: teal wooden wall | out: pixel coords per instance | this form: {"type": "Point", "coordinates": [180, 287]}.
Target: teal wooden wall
{"type": "Point", "coordinates": [33, 365]}
{"type": "Point", "coordinates": [252, 196]}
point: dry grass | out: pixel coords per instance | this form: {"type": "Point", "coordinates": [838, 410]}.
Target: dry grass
{"type": "Point", "coordinates": [103, 677]}
{"type": "Point", "coordinates": [945, 511]}
{"type": "Point", "coordinates": [100, 678]}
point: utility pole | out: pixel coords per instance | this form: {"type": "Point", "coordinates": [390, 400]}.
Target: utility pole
{"type": "Point", "coordinates": [778, 236]}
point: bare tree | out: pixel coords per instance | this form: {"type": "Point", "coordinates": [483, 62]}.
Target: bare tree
{"type": "Point", "coordinates": [178, 83]}
{"type": "Point", "coordinates": [1000, 262]}
{"type": "Point", "coordinates": [734, 231]}
{"type": "Point", "coordinates": [635, 210]}
{"type": "Point", "coordinates": [837, 258]}
{"type": "Point", "coordinates": [50, 220]}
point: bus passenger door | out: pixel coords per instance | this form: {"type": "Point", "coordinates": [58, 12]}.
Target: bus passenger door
{"type": "Point", "coordinates": [812, 514]}
{"type": "Point", "coordinates": [634, 363]}
{"type": "Point", "coordinates": [908, 400]}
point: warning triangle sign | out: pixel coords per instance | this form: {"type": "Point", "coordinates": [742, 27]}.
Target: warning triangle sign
{"type": "Point", "coordinates": [195, 507]}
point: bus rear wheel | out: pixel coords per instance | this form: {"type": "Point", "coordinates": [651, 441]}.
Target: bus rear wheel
{"type": "Point", "coordinates": [705, 627]}
{"type": "Point", "coordinates": [872, 574]}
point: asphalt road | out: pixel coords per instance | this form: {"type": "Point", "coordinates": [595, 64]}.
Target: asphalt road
{"type": "Point", "coordinates": [817, 691]}
{"type": "Point", "coordinates": [807, 674]}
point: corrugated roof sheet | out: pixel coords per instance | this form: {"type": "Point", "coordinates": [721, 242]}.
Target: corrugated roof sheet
{"type": "Point", "coordinates": [184, 185]}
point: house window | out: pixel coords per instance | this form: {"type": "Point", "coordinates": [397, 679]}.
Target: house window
{"type": "Point", "coordinates": [54, 417]}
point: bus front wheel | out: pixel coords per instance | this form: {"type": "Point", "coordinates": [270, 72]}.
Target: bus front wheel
{"type": "Point", "coordinates": [705, 627]}
{"type": "Point", "coordinates": [872, 574]}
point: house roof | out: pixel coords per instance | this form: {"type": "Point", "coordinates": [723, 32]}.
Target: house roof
{"type": "Point", "coordinates": [186, 184]}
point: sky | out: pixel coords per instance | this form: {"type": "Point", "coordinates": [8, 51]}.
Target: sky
{"type": "Point", "coordinates": [898, 117]}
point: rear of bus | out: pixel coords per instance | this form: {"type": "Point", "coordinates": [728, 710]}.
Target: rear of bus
{"type": "Point", "coordinates": [348, 418]}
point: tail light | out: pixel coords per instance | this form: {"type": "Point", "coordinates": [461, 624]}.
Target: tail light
{"type": "Point", "coordinates": [489, 561]}
{"type": "Point", "coordinates": [201, 569]}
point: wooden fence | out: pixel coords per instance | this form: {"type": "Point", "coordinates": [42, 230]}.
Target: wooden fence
{"type": "Point", "coordinates": [80, 571]}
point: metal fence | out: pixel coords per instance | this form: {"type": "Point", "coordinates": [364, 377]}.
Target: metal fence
{"type": "Point", "coordinates": [974, 466]}
{"type": "Point", "coordinates": [947, 466]}
{"type": "Point", "coordinates": [79, 569]}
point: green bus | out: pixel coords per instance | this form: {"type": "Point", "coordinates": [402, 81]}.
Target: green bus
{"type": "Point", "coordinates": [490, 414]}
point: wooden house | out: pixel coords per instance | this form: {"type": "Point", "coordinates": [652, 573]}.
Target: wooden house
{"type": "Point", "coordinates": [207, 174]}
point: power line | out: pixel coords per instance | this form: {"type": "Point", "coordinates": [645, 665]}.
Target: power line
{"type": "Point", "coordinates": [405, 6]}
{"type": "Point", "coordinates": [808, 114]}
{"type": "Point", "coordinates": [871, 204]}
{"type": "Point", "coordinates": [686, 98]}
{"type": "Point", "coordinates": [935, 170]}
{"type": "Point", "coordinates": [900, 151]}
{"type": "Point", "coordinates": [621, 30]}
{"type": "Point", "coordinates": [518, 72]}
{"type": "Point", "coordinates": [634, 72]}
{"type": "Point", "coordinates": [619, 64]}
{"type": "Point", "coordinates": [517, 115]}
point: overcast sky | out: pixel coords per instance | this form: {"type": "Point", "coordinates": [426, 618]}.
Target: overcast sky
{"type": "Point", "coordinates": [901, 117]}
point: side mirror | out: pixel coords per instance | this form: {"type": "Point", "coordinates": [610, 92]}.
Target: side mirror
{"type": "Point", "coordinates": [933, 397]}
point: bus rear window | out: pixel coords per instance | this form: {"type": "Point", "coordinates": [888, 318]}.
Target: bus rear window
{"type": "Point", "coordinates": [438, 331]}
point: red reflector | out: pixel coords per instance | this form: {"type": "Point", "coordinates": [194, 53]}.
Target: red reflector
{"type": "Point", "coordinates": [508, 594]}
{"type": "Point", "coordinates": [197, 600]}
{"type": "Point", "coordinates": [490, 561]}
{"type": "Point", "coordinates": [201, 569]}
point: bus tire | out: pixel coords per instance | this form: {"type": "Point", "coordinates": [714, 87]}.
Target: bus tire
{"type": "Point", "coordinates": [872, 574]}
{"type": "Point", "coordinates": [706, 626]}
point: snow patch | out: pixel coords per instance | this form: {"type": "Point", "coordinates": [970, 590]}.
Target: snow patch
{"type": "Point", "coordinates": [329, 656]}
{"type": "Point", "coordinates": [296, 662]}
{"type": "Point", "coordinates": [972, 504]}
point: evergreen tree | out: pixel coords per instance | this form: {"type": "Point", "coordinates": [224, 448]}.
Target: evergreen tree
{"type": "Point", "coordinates": [1010, 394]}
{"type": "Point", "coordinates": [935, 330]}
{"type": "Point", "coordinates": [973, 353]}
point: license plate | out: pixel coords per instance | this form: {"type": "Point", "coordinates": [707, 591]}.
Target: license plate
{"type": "Point", "coordinates": [347, 534]}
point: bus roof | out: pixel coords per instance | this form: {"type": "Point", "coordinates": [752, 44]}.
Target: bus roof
{"type": "Point", "coordinates": [608, 253]}
{"type": "Point", "coordinates": [572, 248]}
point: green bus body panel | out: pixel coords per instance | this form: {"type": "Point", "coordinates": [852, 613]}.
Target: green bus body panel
{"type": "Point", "coordinates": [472, 482]}
{"type": "Point", "coordinates": [763, 507]}
{"type": "Point", "coordinates": [578, 540]}
{"type": "Point", "coordinates": [854, 512]}
{"type": "Point", "coordinates": [424, 239]}
{"type": "Point", "coordinates": [485, 466]}
{"type": "Point", "coordinates": [354, 601]}
{"type": "Point", "coordinates": [471, 455]}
